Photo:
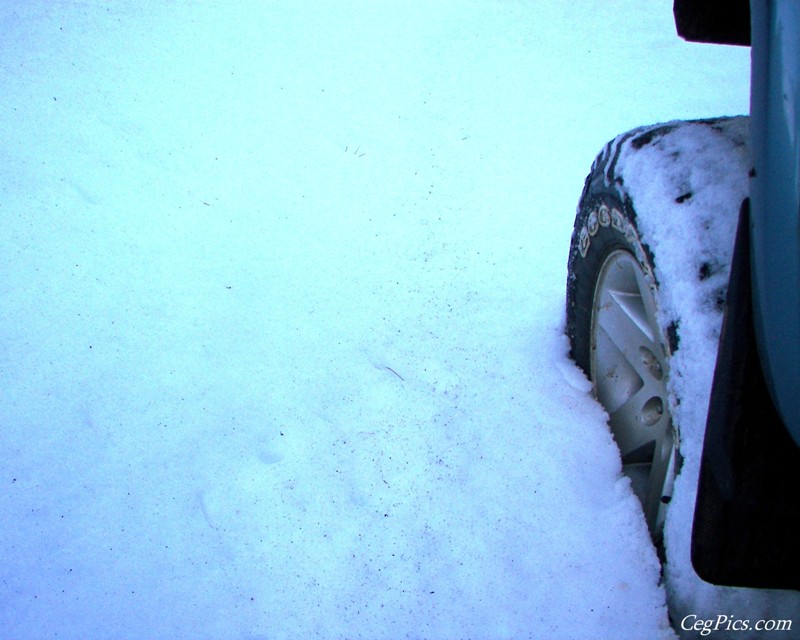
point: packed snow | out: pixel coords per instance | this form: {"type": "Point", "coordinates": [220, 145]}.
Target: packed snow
{"type": "Point", "coordinates": [282, 320]}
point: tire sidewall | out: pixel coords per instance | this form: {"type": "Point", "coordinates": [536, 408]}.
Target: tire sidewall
{"type": "Point", "coordinates": [605, 223]}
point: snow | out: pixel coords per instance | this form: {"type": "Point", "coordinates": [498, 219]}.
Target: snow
{"type": "Point", "coordinates": [282, 318]}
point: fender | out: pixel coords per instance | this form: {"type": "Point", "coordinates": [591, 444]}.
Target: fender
{"type": "Point", "coordinates": [775, 201]}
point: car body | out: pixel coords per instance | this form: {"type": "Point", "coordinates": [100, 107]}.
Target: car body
{"type": "Point", "coordinates": [749, 490]}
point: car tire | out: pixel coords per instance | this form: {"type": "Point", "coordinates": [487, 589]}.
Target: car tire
{"type": "Point", "coordinates": [615, 337]}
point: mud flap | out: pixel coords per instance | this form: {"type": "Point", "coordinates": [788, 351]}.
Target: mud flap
{"type": "Point", "coordinates": [719, 21]}
{"type": "Point", "coordinates": [748, 498]}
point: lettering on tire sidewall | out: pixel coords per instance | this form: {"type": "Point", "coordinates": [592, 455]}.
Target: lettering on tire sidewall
{"type": "Point", "coordinates": [603, 216]}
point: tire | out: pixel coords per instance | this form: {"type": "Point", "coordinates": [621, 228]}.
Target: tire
{"type": "Point", "coordinates": [615, 337]}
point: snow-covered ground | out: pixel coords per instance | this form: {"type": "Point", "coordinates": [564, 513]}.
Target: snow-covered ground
{"type": "Point", "coordinates": [282, 348]}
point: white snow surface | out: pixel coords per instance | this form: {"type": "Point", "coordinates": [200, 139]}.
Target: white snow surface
{"type": "Point", "coordinates": [282, 319]}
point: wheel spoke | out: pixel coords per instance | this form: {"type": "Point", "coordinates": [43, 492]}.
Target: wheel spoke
{"type": "Point", "coordinates": [648, 301]}
{"type": "Point", "coordinates": [660, 469]}
{"type": "Point", "coordinates": [623, 320]}
{"type": "Point", "coordinates": [618, 380]}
